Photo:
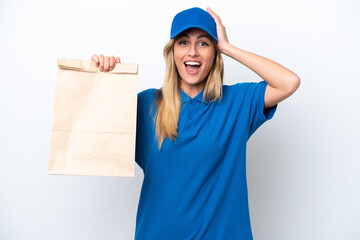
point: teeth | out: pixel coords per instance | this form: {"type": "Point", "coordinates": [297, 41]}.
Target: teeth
{"type": "Point", "coordinates": [193, 63]}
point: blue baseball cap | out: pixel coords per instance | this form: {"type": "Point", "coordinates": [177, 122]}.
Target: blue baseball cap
{"type": "Point", "coordinates": [193, 18]}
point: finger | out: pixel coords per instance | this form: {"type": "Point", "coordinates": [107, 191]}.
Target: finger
{"type": "Point", "coordinates": [117, 60]}
{"type": "Point", "coordinates": [101, 60]}
{"type": "Point", "coordinates": [112, 62]}
{"type": "Point", "coordinates": [95, 58]}
{"type": "Point", "coordinates": [212, 12]}
{"type": "Point", "coordinates": [107, 64]}
{"type": "Point", "coordinates": [215, 16]}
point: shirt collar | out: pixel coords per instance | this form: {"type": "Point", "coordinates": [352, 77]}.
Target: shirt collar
{"type": "Point", "coordinates": [185, 97]}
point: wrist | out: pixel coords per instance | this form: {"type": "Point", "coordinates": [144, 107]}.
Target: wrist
{"type": "Point", "coordinates": [226, 48]}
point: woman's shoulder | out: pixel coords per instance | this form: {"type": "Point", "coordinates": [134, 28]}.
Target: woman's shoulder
{"type": "Point", "coordinates": [147, 94]}
{"type": "Point", "coordinates": [242, 86]}
{"type": "Point", "coordinates": [147, 99]}
{"type": "Point", "coordinates": [149, 91]}
{"type": "Point", "coordinates": [243, 90]}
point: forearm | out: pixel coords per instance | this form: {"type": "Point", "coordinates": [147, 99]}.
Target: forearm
{"type": "Point", "coordinates": [273, 73]}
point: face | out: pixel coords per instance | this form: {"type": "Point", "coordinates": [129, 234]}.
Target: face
{"type": "Point", "coordinates": [194, 54]}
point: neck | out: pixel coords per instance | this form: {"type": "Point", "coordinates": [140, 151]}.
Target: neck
{"type": "Point", "coordinates": [192, 90]}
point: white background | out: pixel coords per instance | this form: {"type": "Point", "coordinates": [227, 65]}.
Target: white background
{"type": "Point", "coordinates": [303, 165]}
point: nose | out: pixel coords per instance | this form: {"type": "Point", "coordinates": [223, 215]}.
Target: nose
{"type": "Point", "coordinates": [193, 51]}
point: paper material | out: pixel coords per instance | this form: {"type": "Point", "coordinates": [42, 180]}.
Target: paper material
{"type": "Point", "coordinates": [94, 120]}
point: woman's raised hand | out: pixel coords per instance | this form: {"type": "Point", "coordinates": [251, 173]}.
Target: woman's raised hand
{"type": "Point", "coordinates": [105, 63]}
{"type": "Point", "coordinates": [223, 41]}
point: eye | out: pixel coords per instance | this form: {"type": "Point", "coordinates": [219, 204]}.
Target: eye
{"type": "Point", "coordinates": [203, 44]}
{"type": "Point", "coordinates": [183, 43]}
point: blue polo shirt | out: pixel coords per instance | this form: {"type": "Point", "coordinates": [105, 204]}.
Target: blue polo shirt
{"type": "Point", "coordinates": [195, 187]}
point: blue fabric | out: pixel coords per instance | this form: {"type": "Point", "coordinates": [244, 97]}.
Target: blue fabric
{"type": "Point", "coordinates": [193, 18]}
{"type": "Point", "coordinates": [195, 188]}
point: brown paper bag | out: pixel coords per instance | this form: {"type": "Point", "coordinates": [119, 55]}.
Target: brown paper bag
{"type": "Point", "coordinates": [94, 120]}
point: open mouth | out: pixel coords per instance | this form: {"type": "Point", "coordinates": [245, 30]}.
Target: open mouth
{"type": "Point", "coordinates": [192, 67]}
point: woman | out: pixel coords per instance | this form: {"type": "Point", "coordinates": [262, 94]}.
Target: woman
{"type": "Point", "coordinates": [192, 133]}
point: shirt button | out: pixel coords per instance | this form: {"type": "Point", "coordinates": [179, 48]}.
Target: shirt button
{"type": "Point", "coordinates": [190, 116]}
{"type": "Point", "coordinates": [192, 102]}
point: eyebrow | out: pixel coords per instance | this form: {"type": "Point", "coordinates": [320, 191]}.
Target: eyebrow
{"type": "Point", "coordinates": [185, 35]}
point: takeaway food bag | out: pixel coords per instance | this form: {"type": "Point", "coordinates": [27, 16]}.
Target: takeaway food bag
{"type": "Point", "coordinates": [94, 120]}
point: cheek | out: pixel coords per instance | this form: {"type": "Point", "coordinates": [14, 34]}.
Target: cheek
{"type": "Point", "coordinates": [177, 58]}
{"type": "Point", "coordinates": [210, 61]}
{"type": "Point", "coordinates": [178, 65]}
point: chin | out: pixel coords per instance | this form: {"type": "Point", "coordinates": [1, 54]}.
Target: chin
{"type": "Point", "coordinates": [192, 82]}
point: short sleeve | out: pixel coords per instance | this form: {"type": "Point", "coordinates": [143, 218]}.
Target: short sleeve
{"type": "Point", "coordinates": [143, 126]}
{"type": "Point", "coordinates": [258, 115]}
{"type": "Point", "coordinates": [139, 157]}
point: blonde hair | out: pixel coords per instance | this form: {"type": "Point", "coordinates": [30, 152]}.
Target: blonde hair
{"type": "Point", "coordinates": [168, 99]}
